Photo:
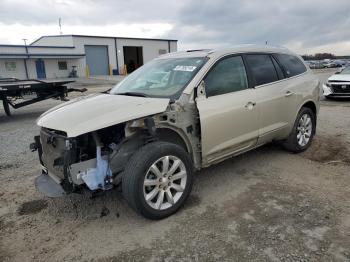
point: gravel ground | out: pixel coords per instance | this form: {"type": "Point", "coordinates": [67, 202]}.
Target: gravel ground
{"type": "Point", "coordinates": [265, 205]}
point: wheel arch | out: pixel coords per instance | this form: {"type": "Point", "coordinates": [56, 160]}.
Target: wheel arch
{"type": "Point", "coordinates": [172, 135]}
{"type": "Point", "coordinates": [310, 104]}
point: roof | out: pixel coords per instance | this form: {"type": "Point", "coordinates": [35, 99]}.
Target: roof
{"type": "Point", "coordinates": [113, 37]}
{"type": "Point", "coordinates": [35, 46]}
{"type": "Point", "coordinates": [232, 50]}
{"type": "Point", "coordinates": [39, 55]}
{"type": "Point", "coordinates": [23, 51]}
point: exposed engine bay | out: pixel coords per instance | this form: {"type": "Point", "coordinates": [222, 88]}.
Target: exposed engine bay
{"type": "Point", "coordinates": [96, 160]}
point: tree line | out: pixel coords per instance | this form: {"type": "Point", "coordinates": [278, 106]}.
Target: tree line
{"type": "Point", "coordinates": [322, 56]}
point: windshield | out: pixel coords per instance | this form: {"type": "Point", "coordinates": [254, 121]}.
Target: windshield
{"type": "Point", "coordinates": [346, 71]}
{"type": "Point", "coordinates": [161, 77]}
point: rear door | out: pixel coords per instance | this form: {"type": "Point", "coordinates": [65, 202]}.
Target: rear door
{"type": "Point", "coordinates": [275, 100]}
{"type": "Point", "coordinates": [228, 115]}
{"type": "Point", "coordinates": [295, 85]}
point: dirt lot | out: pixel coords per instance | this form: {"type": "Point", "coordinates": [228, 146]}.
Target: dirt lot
{"type": "Point", "coordinates": [266, 205]}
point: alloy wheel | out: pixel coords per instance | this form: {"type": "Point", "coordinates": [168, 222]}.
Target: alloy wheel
{"type": "Point", "coordinates": [164, 182]}
{"type": "Point", "coordinates": [304, 130]}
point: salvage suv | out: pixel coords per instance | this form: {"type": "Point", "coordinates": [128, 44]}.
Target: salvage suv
{"type": "Point", "coordinates": [176, 114]}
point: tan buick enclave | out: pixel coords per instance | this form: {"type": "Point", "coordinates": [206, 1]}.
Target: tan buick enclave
{"type": "Point", "coordinates": [176, 114]}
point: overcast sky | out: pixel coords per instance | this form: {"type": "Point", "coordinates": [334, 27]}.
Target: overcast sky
{"type": "Point", "coordinates": [305, 26]}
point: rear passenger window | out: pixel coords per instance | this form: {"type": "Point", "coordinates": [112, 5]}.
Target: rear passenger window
{"type": "Point", "coordinates": [292, 64]}
{"type": "Point", "coordinates": [228, 75]}
{"type": "Point", "coordinates": [262, 68]}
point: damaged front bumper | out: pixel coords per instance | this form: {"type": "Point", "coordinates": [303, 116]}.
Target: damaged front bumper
{"type": "Point", "coordinates": [49, 186]}
{"type": "Point", "coordinates": [57, 182]}
{"type": "Point", "coordinates": [62, 171]}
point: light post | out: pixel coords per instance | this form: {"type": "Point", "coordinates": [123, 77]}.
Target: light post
{"type": "Point", "coordinates": [25, 59]}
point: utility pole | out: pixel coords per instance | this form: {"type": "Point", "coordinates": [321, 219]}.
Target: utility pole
{"type": "Point", "coordinates": [25, 59]}
{"type": "Point", "coordinates": [60, 24]}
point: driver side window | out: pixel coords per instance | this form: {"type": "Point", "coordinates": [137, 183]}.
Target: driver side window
{"type": "Point", "coordinates": [227, 76]}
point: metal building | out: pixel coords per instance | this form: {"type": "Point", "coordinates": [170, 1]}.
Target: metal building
{"type": "Point", "coordinates": [56, 56]}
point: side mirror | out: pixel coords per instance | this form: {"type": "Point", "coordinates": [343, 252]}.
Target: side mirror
{"type": "Point", "coordinates": [201, 90]}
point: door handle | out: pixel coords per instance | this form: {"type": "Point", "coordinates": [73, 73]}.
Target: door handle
{"type": "Point", "coordinates": [250, 105]}
{"type": "Point", "coordinates": [288, 93]}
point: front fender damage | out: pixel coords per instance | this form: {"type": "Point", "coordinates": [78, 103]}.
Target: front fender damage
{"type": "Point", "coordinates": [96, 160]}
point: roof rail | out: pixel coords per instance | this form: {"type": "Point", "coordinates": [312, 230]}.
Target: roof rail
{"type": "Point", "coordinates": [198, 50]}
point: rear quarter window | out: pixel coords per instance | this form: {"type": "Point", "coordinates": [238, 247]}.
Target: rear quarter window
{"type": "Point", "coordinates": [293, 65]}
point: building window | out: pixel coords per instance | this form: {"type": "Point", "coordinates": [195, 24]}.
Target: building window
{"type": "Point", "coordinates": [10, 66]}
{"type": "Point", "coordinates": [62, 65]}
{"type": "Point", "coordinates": [162, 51]}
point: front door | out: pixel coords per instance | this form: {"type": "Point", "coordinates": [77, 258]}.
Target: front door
{"type": "Point", "coordinates": [228, 113]}
{"type": "Point", "coordinates": [40, 68]}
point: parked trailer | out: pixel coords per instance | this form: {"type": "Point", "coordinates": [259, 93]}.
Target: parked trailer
{"type": "Point", "coordinates": [32, 91]}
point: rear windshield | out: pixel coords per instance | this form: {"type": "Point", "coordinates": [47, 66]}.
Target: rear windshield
{"type": "Point", "coordinates": [161, 77]}
{"type": "Point", "coordinates": [292, 64]}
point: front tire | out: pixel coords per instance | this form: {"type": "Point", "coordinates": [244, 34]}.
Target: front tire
{"type": "Point", "coordinates": [303, 131]}
{"type": "Point", "coordinates": [158, 179]}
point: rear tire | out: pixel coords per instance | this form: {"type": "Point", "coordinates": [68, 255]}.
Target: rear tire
{"type": "Point", "coordinates": [303, 131]}
{"type": "Point", "coordinates": [158, 179]}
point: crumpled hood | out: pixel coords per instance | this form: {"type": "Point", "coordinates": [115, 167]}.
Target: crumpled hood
{"type": "Point", "coordinates": [93, 112]}
{"type": "Point", "coordinates": [340, 77]}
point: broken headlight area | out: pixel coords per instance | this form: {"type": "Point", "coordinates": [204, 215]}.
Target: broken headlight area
{"type": "Point", "coordinates": [83, 161]}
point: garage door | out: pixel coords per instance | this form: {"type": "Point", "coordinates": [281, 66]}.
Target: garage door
{"type": "Point", "coordinates": [97, 59]}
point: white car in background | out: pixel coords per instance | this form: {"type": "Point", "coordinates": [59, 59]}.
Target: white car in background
{"type": "Point", "coordinates": [338, 85]}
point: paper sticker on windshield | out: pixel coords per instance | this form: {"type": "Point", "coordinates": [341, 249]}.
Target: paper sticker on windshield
{"type": "Point", "coordinates": [185, 68]}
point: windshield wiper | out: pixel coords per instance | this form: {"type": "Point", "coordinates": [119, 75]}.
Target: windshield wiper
{"type": "Point", "coordinates": [132, 94]}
